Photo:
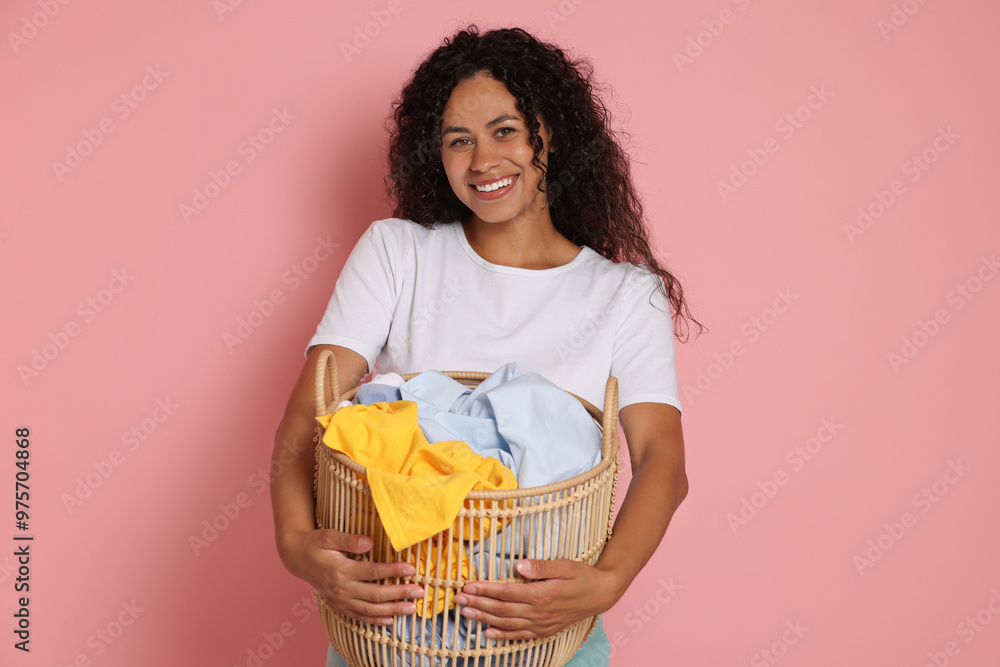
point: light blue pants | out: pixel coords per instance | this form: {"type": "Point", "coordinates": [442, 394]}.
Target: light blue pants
{"type": "Point", "coordinates": [595, 653]}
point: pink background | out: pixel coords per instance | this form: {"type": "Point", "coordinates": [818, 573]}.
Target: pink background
{"type": "Point", "coordinates": [892, 79]}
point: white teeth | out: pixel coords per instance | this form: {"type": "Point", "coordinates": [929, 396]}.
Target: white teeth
{"type": "Point", "coordinates": [496, 186]}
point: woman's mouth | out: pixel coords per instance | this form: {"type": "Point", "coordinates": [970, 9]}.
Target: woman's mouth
{"type": "Point", "coordinates": [495, 189]}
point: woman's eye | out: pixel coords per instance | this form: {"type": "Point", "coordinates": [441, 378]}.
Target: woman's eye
{"type": "Point", "coordinates": [502, 131]}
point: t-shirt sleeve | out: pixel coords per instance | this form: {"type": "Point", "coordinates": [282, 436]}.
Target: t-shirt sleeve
{"type": "Point", "coordinates": [361, 308]}
{"type": "Point", "coordinates": [643, 355]}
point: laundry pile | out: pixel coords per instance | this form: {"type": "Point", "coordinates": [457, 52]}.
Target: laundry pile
{"type": "Point", "coordinates": [429, 441]}
{"type": "Point", "coordinates": [533, 427]}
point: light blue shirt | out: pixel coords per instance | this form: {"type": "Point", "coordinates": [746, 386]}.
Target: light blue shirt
{"type": "Point", "coordinates": [539, 431]}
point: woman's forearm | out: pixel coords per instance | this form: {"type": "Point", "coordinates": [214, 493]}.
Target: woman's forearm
{"type": "Point", "coordinates": [292, 473]}
{"type": "Point", "coordinates": [659, 484]}
{"type": "Point", "coordinates": [657, 488]}
{"type": "Point", "coordinates": [293, 458]}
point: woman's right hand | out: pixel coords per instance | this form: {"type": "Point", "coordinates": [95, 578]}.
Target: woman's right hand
{"type": "Point", "coordinates": [321, 558]}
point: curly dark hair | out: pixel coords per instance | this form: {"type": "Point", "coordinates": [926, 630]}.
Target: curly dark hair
{"type": "Point", "coordinates": [606, 215]}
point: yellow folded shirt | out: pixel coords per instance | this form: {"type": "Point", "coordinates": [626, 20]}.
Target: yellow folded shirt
{"type": "Point", "coordinates": [418, 487]}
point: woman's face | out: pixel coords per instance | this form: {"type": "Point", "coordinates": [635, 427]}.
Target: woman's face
{"type": "Point", "coordinates": [484, 140]}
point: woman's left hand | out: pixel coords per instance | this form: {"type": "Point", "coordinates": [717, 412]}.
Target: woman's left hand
{"type": "Point", "coordinates": [561, 593]}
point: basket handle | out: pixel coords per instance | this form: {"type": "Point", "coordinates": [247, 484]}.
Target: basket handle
{"type": "Point", "coordinates": [609, 424]}
{"type": "Point", "coordinates": [326, 367]}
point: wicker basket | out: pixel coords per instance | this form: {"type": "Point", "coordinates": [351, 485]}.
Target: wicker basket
{"type": "Point", "coordinates": [571, 519]}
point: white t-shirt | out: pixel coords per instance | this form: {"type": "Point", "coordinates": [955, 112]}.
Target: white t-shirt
{"type": "Point", "coordinates": [410, 299]}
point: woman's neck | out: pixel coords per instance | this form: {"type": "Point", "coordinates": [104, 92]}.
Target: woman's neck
{"type": "Point", "coordinates": [525, 244]}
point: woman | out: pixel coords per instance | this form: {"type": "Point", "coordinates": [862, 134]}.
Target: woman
{"type": "Point", "coordinates": [517, 236]}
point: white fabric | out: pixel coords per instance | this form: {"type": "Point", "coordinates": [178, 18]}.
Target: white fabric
{"type": "Point", "coordinates": [410, 299]}
{"type": "Point", "coordinates": [389, 379]}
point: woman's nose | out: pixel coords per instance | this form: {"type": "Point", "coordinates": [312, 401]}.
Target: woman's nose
{"type": "Point", "coordinates": [485, 156]}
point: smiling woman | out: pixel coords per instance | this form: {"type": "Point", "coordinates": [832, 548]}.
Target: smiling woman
{"type": "Point", "coordinates": [492, 169]}
{"type": "Point", "coordinates": [469, 156]}
{"type": "Point", "coordinates": [486, 124]}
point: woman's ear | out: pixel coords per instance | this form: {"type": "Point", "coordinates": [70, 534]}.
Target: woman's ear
{"type": "Point", "coordinates": [549, 139]}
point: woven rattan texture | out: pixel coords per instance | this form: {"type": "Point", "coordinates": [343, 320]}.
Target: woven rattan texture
{"type": "Point", "coordinates": [571, 519]}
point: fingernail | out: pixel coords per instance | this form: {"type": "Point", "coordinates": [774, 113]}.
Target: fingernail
{"type": "Point", "coordinates": [461, 599]}
{"type": "Point", "coordinates": [470, 589]}
{"type": "Point", "coordinates": [468, 612]}
{"type": "Point", "coordinates": [417, 593]}
{"type": "Point", "coordinates": [410, 609]}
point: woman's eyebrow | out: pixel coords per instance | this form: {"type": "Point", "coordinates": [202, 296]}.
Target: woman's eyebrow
{"type": "Point", "coordinates": [499, 119]}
